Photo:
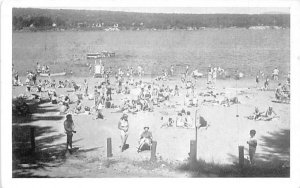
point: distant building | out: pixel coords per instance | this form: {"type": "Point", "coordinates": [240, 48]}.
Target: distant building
{"type": "Point", "coordinates": [54, 25]}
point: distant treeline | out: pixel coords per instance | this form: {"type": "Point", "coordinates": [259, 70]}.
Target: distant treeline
{"type": "Point", "coordinates": [41, 19]}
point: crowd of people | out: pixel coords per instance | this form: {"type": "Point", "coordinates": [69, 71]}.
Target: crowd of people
{"type": "Point", "coordinates": [138, 95]}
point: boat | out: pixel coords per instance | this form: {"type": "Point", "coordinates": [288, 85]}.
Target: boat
{"type": "Point", "coordinates": [53, 74]}
{"type": "Point", "coordinates": [99, 55]}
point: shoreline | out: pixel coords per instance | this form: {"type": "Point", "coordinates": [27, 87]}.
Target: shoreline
{"type": "Point", "coordinates": [141, 30]}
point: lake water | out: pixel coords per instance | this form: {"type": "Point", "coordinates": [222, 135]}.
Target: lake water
{"type": "Point", "coordinates": [246, 50]}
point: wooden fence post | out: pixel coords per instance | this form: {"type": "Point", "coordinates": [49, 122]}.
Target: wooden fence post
{"type": "Point", "coordinates": [193, 151]}
{"type": "Point", "coordinates": [241, 156]}
{"type": "Point", "coordinates": [153, 151]}
{"type": "Point", "coordinates": [109, 148]}
{"type": "Point", "coordinates": [32, 139]}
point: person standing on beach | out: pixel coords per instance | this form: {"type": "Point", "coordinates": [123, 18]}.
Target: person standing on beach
{"type": "Point", "coordinates": [86, 87]}
{"type": "Point", "coordinates": [275, 74]}
{"type": "Point", "coordinates": [257, 80]}
{"type": "Point", "coordinates": [266, 84]}
{"type": "Point", "coordinates": [123, 126]}
{"type": "Point", "coordinates": [252, 142]}
{"type": "Point", "coordinates": [69, 130]}
{"type": "Point", "coordinates": [214, 75]}
{"type": "Point", "coordinates": [172, 70]}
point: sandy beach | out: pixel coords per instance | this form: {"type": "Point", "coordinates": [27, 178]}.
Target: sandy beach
{"type": "Point", "coordinates": [218, 144]}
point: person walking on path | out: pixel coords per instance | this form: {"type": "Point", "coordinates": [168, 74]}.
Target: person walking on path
{"type": "Point", "coordinates": [123, 126]}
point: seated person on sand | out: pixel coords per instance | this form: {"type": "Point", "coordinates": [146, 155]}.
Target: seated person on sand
{"type": "Point", "coordinates": [161, 97]}
{"type": "Point", "coordinates": [132, 107]}
{"type": "Point", "coordinates": [66, 101]}
{"type": "Point", "coordinates": [51, 92]}
{"type": "Point", "coordinates": [257, 115]}
{"type": "Point", "coordinates": [169, 123]}
{"type": "Point", "coordinates": [54, 99]}
{"type": "Point", "coordinates": [176, 90]}
{"type": "Point", "coordinates": [180, 120]}
{"type": "Point", "coordinates": [195, 101]}
{"type": "Point", "coordinates": [16, 81]}
{"type": "Point", "coordinates": [150, 105]}
{"type": "Point", "coordinates": [188, 120]}
{"type": "Point", "coordinates": [61, 84]}
{"type": "Point", "coordinates": [39, 86]}
{"type": "Point", "coordinates": [228, 102]}
{"type": "Point", "coordinates": [79, 108]}
{"type": "Point", "coordinates": [166, 95]}
{"type": "Point", "coordinates": [125, 106]}
{"type": "Point", "coordinates": [286, 90]}
{"type": "Point", "coordinates": [99, 110]}
{"type": "Point", "coordinates": [187, 101]}
{"type": "Point", "coordinates": [64, 108]}
{"type": "Point", "coordinates": [280, 95]}
{"type": "Point", "coordinates": [53, 84]}
{"type": "Point", "coordinates": [145, 139]}
{"type": "Point", "coordinates": [269, 114]}
{"type": "Point", "coordinates": [76, 86]}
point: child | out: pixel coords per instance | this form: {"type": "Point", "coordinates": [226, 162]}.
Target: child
{"type": "Point", "coordinates": [266, 84]}
{"type": "Point", "coordinates": [252, 142]}
{"type": "Point", "coordinates": [257, 114]}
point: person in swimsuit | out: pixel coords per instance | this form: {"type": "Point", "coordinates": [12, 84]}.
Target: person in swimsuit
{"type": "Point", "coordinates": [123, 126]}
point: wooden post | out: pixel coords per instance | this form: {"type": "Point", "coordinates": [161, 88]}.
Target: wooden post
{"type": "Point", "coordinates": [109, 148]}
{"type": "Point", "coordinates": [32, 139]}
{"type": "Point", "coordinates": [241, 156]}
{"type": "Point", "coordinates": [153, 151]}
{"type": "Point", "coordinates": [193, 150]}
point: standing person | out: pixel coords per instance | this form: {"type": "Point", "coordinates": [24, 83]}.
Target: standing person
{"type": "Point", "coordinates": [108, 91]}
{"type": "Point", "coordinates": [172, 70]}
{"type": "Point", "coordinates": [275, 74]}
{"type": "Point", "coordinates": [69, 130]}
{"type": "Point", "coordinates": [176, 91]}
{"type": "Point", "coordinates": [90, 68]}
{"type": "Point", "coordinates": [252, 142]}
{"type": "Point", "coordinates": [140, 70]}
{"type": "Point", "coordinates": [86, 87]}
{"type": "Point", "coordinates": [209, 75]}
{"type": "Point", "coordinates": [123, 125]}
{"type": "Point", "coordinates": [257, 80]}
{"type": "Point", "coordinates": [214, 75]}
{"type": "Point", "coordinates": [186, 70]}
{"type": "Point", "coordinates": [38, 68]}
{"type": "Point", "coordinates": [266, 84]}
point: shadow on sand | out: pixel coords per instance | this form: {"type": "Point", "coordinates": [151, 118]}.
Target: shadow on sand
{"type": "Point", "coordinates": [47, 152]}
{"type": "Point", "coordinates": [272, 162]}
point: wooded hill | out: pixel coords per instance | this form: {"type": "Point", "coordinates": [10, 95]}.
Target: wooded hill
{"type": "Point", "coordinates": [45, 19]}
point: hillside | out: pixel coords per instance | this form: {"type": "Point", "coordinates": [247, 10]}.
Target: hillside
{"type": "Point", "coordinates": [47, 19]}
